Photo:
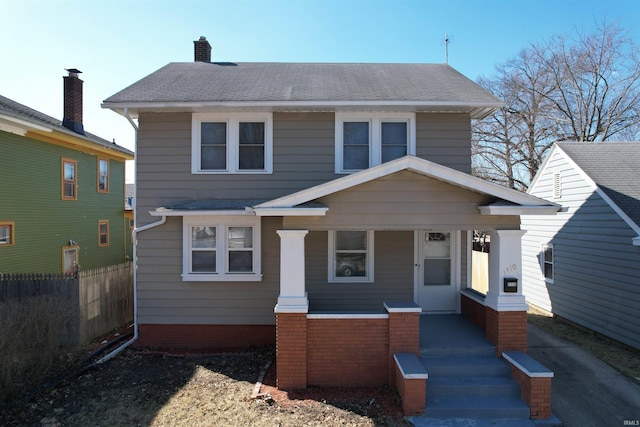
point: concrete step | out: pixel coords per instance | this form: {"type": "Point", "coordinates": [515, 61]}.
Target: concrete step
{"type": "Point", "coordinates": [465, 366]}
{"type": "Point", "coordinates": [476, 407]}
{"type": "Point", "coordinates": [434, 350]}
{"type": "Point", "coordinates": [500, 386]}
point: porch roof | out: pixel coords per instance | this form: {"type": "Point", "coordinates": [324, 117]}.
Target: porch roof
{"type": "Point", "coordinates": [508, 201]}
{"type": "Point", "coordinates": [234, 207]}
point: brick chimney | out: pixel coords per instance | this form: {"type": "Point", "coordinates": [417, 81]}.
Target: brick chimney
{"type": "Point", "coordinates": [73, 101]}
{"type": "Point", "coordinates": [202, 50]}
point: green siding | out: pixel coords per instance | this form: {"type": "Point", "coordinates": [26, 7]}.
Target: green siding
{"type": "Point", "coordinates": [44, 223]}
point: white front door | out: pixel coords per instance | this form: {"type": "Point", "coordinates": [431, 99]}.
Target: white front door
{"type": "Point", "coordinates": [436, 281]}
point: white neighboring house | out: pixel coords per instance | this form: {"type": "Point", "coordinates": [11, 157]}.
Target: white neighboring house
{"type": "Point", "coordinates": [583, 264]}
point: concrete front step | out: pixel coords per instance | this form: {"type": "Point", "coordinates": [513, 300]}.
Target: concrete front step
{"type": "Point", "coordinates": [501, 386]}
{"type": "Point", "coordinates": [476, 407]}
{"type": "Point", "coordinates": [465, 366]}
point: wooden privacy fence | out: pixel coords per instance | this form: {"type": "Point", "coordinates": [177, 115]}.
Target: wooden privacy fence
{"type": "Point", "coordinates": [103, 297]}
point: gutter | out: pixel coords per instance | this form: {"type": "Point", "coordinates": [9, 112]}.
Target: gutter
{"type": "Point", "coordinates": [136, 230]}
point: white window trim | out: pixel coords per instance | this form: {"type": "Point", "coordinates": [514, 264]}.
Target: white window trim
{"type": "Point", "coordinates": [375, 130]}
{"type": "Point", "coordinates": [331, 273]}
{"type": "Point", "coordinates": [232, 121]}
{"type": "Point", "coordinates": [222, 224]}
{"type": "Point", "coordinates": [553, 262]}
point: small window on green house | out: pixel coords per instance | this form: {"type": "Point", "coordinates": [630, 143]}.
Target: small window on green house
{"type": "Point", "coordinates": [103, 175]}
{"type": "Point", "coordinates": [6, 233]}
{"type": "Point", "coordinates": [103, 233]}
{"type": "Point", "coordinates": [69, 179]}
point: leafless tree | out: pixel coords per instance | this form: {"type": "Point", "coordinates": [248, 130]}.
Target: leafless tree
{"type": "Point", "coordinates": [585, 88]}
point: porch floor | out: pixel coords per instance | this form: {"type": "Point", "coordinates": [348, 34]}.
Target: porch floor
{"type": "Point", "coordinates": [446, 332]}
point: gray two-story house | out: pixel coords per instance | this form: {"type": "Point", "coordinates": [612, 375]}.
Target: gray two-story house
{"type": "Point", "coordinates": [309, 205]}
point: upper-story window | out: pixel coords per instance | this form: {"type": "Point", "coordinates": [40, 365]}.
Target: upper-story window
{"type": "Point", "coordinates": [69, 179]}
{"type": "Point", "coordinates": [369, 139]}
{"type": "Point", "coordinates": [237, 143]}
{"type": "Point", "coordinates": [6, 233]}
{"type": "Point", "coordinates": [103, 175]}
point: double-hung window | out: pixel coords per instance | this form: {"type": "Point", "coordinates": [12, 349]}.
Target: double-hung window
{"type": "Point", "coordinates": [103, 233]}
{"type": "Point", "coordinates": [351, 256]}
{"type": "Point", "coordinates": [547, 262]}
{"type": "Point", "coordinates": [69, 179]}
{"type": "Point", "coordinates": [364, 140]}
{"type": "Point", "coordinates": [103, 175]}
{"type": "Point", "coordinates": [221, 248]}
{"type": "Point", "coordinates": [238, 143]}
{"type": "Point", "coordinates": [7, 233]}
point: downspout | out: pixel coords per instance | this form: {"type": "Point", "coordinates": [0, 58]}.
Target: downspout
{"type": "Point", "coordinates": [136, 230]}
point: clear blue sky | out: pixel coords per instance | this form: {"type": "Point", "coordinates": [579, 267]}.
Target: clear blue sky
{"type": "Point", "coordinates": [117, 42]}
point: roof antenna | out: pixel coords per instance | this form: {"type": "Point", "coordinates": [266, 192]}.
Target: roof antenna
{"type": "Point", "coordinates": [446, 48]}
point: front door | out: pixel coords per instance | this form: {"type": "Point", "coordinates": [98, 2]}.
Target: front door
{"type": "Point", "coordinates": [436, 271]}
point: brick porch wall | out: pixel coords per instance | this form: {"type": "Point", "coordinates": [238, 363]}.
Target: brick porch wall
{"type": "Point", "coordinates": [347, 352]}
{"type": "Point", "coordinates": [291, 350]}
{"type": "Point", "coordinates": [507, 330]}
{"type": "Point", "coordinates": [204, 337]}
{"type": "Point", "coordinates": [404, 336]}
{"type": "Point", "coordinates": [536, 391]}
{"type": "Point", "coordinates": [473, 311]}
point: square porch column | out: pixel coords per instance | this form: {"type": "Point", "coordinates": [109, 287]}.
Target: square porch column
{"type": "Point", "coordinates": [291, 312]}
{"type": "Point", "coordinates": [505, 305]}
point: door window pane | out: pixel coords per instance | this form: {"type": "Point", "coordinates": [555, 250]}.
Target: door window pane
{"type": "Point", "coordinates": [355, 145]}
{"type": "Point", "coordinates": [213, 146]}
{"type": "Point", "coordinates": [437, 259]}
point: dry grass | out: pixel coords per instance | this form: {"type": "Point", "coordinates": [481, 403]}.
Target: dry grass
{"type": "Point", "coordinates": [214, 390]}
{"type": "Point", "coordinates": [34, 339]}
{"type": "Point", "coordinates": [621, 357]}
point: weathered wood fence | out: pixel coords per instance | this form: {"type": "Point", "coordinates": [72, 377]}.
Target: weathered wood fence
{"type": "Point", "coordinates": [103, 297]}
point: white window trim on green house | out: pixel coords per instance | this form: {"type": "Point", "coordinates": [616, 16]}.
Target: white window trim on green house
{"type": "Point", "coordinates": [232, 143]}
{"type": "Point", "coordinates": [375, 123]}
{"type": "Point", "coordinates": [223, 225]}
{"type": "Point", "coordinates": [334, 253]}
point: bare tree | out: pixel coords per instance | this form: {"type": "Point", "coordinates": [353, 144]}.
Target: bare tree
{"type": "Point", "coordinates": [582, 89]}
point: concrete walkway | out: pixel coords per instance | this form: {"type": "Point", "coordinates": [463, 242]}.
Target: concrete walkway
{"type": "Point", "coordinates": [585, 390]}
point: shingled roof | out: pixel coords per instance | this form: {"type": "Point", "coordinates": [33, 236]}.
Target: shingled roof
{"type": "Point", "coordinates": [11, 108]}
{"type": "Point", "coordinates": [421, 87]}
{"type": "Point", "coordinates": [614, 168]}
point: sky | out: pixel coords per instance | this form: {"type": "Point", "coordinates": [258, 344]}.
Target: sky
{"type": "Point", "coordinates": [117, 42]}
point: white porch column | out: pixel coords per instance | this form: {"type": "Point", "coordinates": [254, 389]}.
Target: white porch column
{"type": "Point", "coordinates": [293, 295]}
{"type": "Point", "coordinates": [505, 261]}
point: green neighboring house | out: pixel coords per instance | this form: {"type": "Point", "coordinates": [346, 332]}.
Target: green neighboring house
{"type": "Point", "coordinates": [62, 190]}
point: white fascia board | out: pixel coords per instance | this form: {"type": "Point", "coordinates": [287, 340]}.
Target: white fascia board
{"type": "Point", "coordinates": [519, 210]}
{"type": "Point", "coordinates": [171, 212]}
{"type": "Point", "coordinates": [636, 241]}
{"type": "Point", "coordinates": [413, 164]}
{"type": "Point", "coordinates": [19, 126]}
{"type": "Point", "coordinates": [475, 108]}
{"type": "Point", "coordinates": [290, 211]}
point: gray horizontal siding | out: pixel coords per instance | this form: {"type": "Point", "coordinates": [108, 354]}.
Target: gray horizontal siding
{"type": "Point", "coordinates": [597, 269]}
{"type": "Point", "coordinates": [393, 274]}
{"type": "Point", "coordinates": [445, 139]}
{"type": "Point", "coordinates": [163, 298]}
{"type": "Point", "coordinates": [405, 201]}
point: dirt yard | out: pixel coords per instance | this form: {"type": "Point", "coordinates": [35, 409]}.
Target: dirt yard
{"type": "Point", "coordinates": [154, 389]}
{"type": "Point", "coordinates": [142, 388]}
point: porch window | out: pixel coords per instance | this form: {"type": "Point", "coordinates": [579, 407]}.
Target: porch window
{"type": "Point", "coordinates": [547, 262]}
{"type": "Point", "coordinates": [238, 143]}
{"type": "Point", "coordinates": [364, 140]}
{"type": "Point", "coordinates": [351, 256]}
{"type": "Point", "coordinates": [221, 248]}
